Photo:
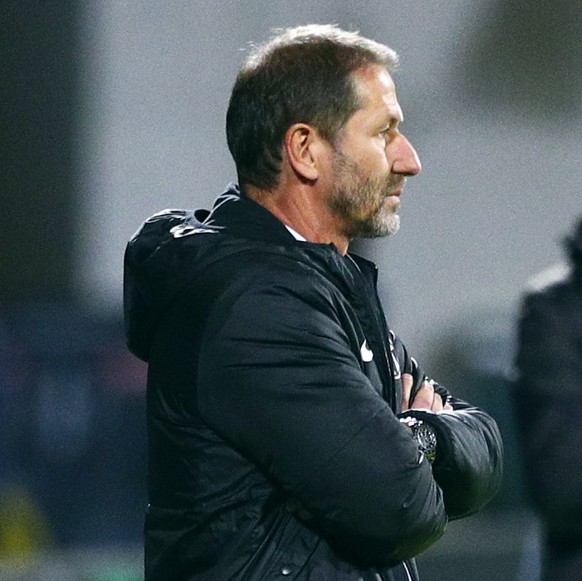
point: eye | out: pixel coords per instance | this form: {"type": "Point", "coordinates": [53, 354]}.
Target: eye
{"type": "Point", "coordinates": [387, 134]}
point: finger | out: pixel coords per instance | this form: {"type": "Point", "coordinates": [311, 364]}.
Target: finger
{"type": "Point", "coordinates": [424, 398]}
{"type": "Point", "coordinates": [407, 382]}
{"type": "Point", "coordinates": [437, 403]}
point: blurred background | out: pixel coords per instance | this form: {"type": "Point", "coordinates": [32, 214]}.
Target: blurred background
{"type": "Point", "coordinates": [112, 110]}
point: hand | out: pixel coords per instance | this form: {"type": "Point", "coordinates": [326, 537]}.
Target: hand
{"type": "Point", "coordinates": [426, 398]}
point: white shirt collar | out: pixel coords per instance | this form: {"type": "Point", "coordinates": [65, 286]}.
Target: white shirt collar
{"type": "Point", "coordinates": [296, 234]}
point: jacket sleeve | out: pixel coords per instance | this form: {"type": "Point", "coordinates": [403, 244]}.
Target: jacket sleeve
{"type": "Point", "coordinates": [278, 381]}
{"type": "Point", "coordinates": [469, 462]}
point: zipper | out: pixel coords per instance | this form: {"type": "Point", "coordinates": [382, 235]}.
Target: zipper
{"type": "Point", "coordinates": [369, 302]}
{"type": "Point", "coordinates": [408, 574]}
{"type": "Point", "coordinates": [379, 577]}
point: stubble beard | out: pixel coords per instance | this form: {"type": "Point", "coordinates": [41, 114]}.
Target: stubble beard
{"type": "Point", "coordinates": [360, 202]}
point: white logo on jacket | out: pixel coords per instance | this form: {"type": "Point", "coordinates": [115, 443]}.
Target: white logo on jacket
{"type": "Point", "coordinates": [182, 230]}
{"type": "Point", "coordinates": [366, 353]}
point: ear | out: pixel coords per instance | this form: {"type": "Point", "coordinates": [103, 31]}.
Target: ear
{"type": "Point", "coordinates": [301, 146]}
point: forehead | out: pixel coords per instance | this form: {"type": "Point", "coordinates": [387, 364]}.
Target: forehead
{"type": "Point", "coordinates": [377, 92]}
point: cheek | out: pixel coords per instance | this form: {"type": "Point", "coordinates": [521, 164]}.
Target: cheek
{"type": "Point", "coordinates": [372, 164]}
{"type": "Point", "coordinates": [376, 162]}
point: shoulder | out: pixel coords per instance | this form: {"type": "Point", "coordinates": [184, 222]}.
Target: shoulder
{"type": "Point", "coordinates": [548, 279]}
{"type": "Point", "coordinates": [551, 289]}
{"type": "Point", "coordinates": [270, 272]}
{"type": "Point", "coordinates": [551, 307]}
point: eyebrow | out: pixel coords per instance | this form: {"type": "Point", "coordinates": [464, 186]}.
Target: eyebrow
{"type": "Point", "coordinates": [391, 115]}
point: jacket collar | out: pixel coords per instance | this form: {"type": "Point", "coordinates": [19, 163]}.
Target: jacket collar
{"type": "Point", "coordinates": [244, 217]}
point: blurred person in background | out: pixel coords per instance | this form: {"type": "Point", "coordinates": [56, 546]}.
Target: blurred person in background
{"type": "Point", "coordinates": [548, 406]}
{"type": "Point", "coordinates": [291, 434]}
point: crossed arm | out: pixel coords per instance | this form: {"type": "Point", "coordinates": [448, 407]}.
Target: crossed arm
{"type": "Point", "coordinates": [292, 398]}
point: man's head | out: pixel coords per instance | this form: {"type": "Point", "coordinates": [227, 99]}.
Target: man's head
{"type": "Point", "coordinates": [303, 74]}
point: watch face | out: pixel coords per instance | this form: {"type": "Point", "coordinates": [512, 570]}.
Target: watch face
{"type": "Point", "coordinates": [427, 441]}
{"type": "Point", "coordinates": [424, 435]}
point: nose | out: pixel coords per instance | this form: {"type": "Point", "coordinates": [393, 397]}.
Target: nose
{"type": "Point", "coordinates": [405, 160]}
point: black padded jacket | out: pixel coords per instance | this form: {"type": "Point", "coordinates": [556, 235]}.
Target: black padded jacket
{"type": "Point", "coordinates": [274, 391]}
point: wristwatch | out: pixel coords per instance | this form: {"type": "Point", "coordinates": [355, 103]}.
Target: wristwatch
{"type": "Point", "coordinates": [424, 435]}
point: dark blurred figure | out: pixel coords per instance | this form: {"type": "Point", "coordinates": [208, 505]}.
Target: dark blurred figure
{"type": "Point", "coordinates": [548, 404]}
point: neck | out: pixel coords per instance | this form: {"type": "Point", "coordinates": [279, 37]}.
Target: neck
{"type": "Point", "coordinates": [304, 209]}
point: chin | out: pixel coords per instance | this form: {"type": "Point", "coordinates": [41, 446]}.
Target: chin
{"type": "Point", "coordinates": [379, 227]}
{"type": "Point", "coordinates": [392, 226]}
{"type": "Point", "coordinates": [388, 224]}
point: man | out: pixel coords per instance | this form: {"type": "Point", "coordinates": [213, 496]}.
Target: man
{"type": "Point", "coordinates": [291, 435]}
{"type": "Point", "coordinates": [548, 405]}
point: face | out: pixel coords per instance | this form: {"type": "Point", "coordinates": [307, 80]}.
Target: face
{"type": "Point", "coordinates": [371, 160]}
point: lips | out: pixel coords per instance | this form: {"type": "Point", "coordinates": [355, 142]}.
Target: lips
{"type": "Point", "coordinates": [394, 192]}
{"type": "Point", "coordinates": [397, 188]}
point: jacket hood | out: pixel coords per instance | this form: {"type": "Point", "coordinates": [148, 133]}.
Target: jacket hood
{"type": "Point", "coordinates": [172, 248]}
{"type": "Point", "coordinates": [151, 275]}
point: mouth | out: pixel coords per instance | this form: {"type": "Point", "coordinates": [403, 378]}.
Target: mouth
{"type": "Point", "coordinates": [394, 195]}
{"type": "Point", "coordinates": [397, 189]}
